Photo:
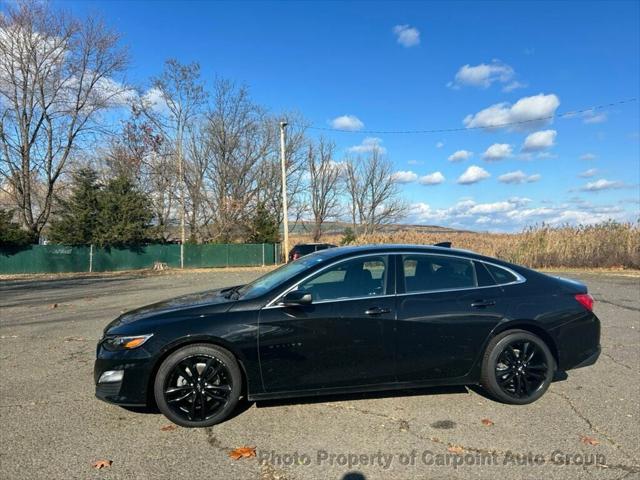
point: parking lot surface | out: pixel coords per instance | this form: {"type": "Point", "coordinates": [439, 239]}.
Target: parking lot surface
{"type": "Point", "coordinates": [51, 425]}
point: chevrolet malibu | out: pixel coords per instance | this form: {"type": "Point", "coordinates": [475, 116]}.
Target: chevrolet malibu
{"type": "Point", "coordinates": [351, 319]}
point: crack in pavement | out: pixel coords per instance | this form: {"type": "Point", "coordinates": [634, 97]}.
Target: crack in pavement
{"type": "Point", "coordinates": [634, 309]}
{"type": "Point", "coordinates": [629, 469]}
{"type": "Point", "coordinates": [590, 424]}
{"type": "Point", "coordinates": [618, 362]}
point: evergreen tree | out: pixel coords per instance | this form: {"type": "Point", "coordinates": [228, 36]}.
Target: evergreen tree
{"type": "Point", "coordinates": [264, 226]}
{"type": "Point", "coordinates": [77, 216]}
{"type": "Point", "coordinates": [11, 235]}
{"type": "Point", "coordinates": [347, 236]}
{"type": "Point", "coordinates": [124, 215]}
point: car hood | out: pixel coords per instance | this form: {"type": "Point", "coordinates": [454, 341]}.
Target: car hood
{"type": "Point", "coordinates": [184, 302]}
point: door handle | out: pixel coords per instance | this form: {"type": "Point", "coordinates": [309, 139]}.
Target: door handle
{"type": "Point", "coordinates": [483, 303]}
{"type": "Point", "coordinates": [376, 311]}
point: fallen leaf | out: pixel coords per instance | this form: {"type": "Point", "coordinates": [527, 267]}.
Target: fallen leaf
{"type": "Point", "coordinates": [168, 428]}
{"type": "Point", "coordinates": [486, 422]}
{"type": "Point", "coordinates": [98, 464]}
{"type": "Point", "coordinates": [243, 452]}
{"type": "Point", "coordinates": [455, 449]}
{"type": "Point", "coordinates": [589, 440]}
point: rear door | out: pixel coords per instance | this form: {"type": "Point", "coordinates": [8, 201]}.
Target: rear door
{"type": "Point", "coordinates": [344, 338]}
{"type": "Point", "coordinates": [446, 308]}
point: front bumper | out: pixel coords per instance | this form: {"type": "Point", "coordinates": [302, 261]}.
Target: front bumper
{"type": "Point", "coordinates": [133, 390]}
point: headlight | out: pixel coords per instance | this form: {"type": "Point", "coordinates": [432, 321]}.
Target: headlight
{"type": "Point", "coordinates": [125, 343]}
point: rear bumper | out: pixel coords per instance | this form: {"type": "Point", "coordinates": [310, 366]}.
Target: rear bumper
{"type": "Point", "coordinates": [578, 341]}
{"type": "Point", "coordinates": [590, 360]}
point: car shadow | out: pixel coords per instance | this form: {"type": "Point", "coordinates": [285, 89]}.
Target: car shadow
{"type": "Point", "coordinates": [244, 404]}
{"type": "Point", "coordinates": [560, 376]}
{"type": "Point", "coordinates": [410, 392]}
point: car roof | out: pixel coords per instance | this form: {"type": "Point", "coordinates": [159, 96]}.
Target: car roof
{"type": "Point", "coordinates": [390, 247]}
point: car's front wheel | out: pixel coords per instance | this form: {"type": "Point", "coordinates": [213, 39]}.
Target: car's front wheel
{"type": "Point", "coordinates": [198, 385]}
{"type": "Point", "coordinates": [518, 367]}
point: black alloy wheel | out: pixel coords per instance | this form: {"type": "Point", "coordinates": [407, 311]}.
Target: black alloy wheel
{"type": "Point", "coordinates": [198, 386]}
{"type": "Point", "coordinates": [518, 367]}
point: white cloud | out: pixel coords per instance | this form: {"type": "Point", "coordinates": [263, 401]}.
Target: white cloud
{"type": "Point", "coordinates": [519, 177]}
{"type": "Point", "coordinates": [527, 113]}
{"type": "Point", "coordinates": [434, 178]}
{"type": "Point", "coordinates": [460, 156]}
{"type": "Point", "coordinates": [482, 75]}
{"type": "Point", "coordinates": [439, 144]}
{"type": "Point", "coordinates": [347, 122]}
{"type": "Point", "coordinates": [497, 151]}
{"type": "Point", "coordinates": [369, 144]}
{"type": "Point", "coordinates": [473, 174]}
{"type": "Point", "coordinates": [515, 85]}
{"type": "Point", "coordinates": [540, 140]}
{"type": "Point", "coordinates": [415, 162]}
{"type": "Point", "coordinates": [592, 117]}
{"type": "Point", "coordinates": [404, 176]}
{"type": "Point", "coordinates": [154, 99]}
{"type": "Point", "coordinates": [484, 208]}
{"type": "Point", "coordinates": [406, 35]}
{"type": "Point", "coordinates": [588, 173]}
{"type": "Point", "coordinates": [602, 184]}
{"type": "Point", "coordinates": [588, 157]}
{"type": "Point", "coordinates": [516, 213]}
{"type": "Point", "coordinates": [520, 201]}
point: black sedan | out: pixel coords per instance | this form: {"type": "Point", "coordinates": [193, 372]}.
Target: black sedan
{"type": "Point", "coordinates": [351, 319]}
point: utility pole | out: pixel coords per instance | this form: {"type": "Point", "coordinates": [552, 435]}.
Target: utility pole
{"type": "Point", "coordinates": [285, 216]}
{"type": "Point", "coordinates": [181, 193]}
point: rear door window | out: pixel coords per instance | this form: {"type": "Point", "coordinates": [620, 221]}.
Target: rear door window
{"type": "Point", "coordinates": [423, 273]}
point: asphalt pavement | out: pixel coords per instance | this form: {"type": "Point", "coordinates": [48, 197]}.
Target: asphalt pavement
{"type": "Point", "coordinates": [51, 425]}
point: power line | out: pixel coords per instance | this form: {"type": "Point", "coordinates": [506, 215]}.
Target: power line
{"type": "Point", "coordinates": [490, 127]}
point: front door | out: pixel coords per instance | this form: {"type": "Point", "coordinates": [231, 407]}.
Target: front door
{"type": "Point", "coordinates": [343, 338]}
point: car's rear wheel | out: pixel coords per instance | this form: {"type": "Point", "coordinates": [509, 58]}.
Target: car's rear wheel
{"type": "Point", "coordinates": [198, 385]}
{"type": "Point", "coordinates": [517, 367]}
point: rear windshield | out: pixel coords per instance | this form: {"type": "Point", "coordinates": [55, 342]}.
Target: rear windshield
{"type": "Point", "coordinates": [305, 249]}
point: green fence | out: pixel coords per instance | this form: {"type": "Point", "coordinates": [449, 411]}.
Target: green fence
{"type": "Point", "coordinates": [59, 258]}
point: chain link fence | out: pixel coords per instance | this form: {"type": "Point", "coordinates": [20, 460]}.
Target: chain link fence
{"type": "Point", "coordinates": [61, 258]}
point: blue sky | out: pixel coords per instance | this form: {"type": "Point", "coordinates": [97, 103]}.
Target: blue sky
{"type": "Point", "coordinates": [389, 66]}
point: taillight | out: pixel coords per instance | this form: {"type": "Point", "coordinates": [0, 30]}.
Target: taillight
{"type": "Point", "coordinates": [585, 300]}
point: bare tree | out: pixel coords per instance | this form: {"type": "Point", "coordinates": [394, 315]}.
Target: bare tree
{"type": "Point", "coordinates": [240, 141]}
{"type": "Point", "coordinates": [324, 182]}
{"type": "Point", "coordinates": [141, 153]}
{"type": "Point", "coordinates": [173, 104]}
{"type": "Point", "coordinates": [373, 194]}
{"type": "Point", "coordinates": [198, 154]}
{"type": "Point", "coordinates": [56, 76]}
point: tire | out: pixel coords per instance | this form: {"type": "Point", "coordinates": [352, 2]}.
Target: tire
{"type": "Point", "coordinates": [198, 385]}
{"type": "Point", "coordinates": [517, 367]}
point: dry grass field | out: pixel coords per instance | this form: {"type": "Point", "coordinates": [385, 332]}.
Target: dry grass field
{"type": "Point", "coordinates": [606, 245]}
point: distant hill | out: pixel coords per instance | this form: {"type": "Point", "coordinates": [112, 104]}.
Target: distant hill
{"type": "Point", "coordinates": [337, 228]}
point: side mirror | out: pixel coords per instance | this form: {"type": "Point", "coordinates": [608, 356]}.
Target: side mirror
{"type": "Point", "coordinates": [296, 298]}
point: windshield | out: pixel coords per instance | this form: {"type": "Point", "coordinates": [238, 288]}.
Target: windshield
{"type": "Point", "coordinates": [278, 276]}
